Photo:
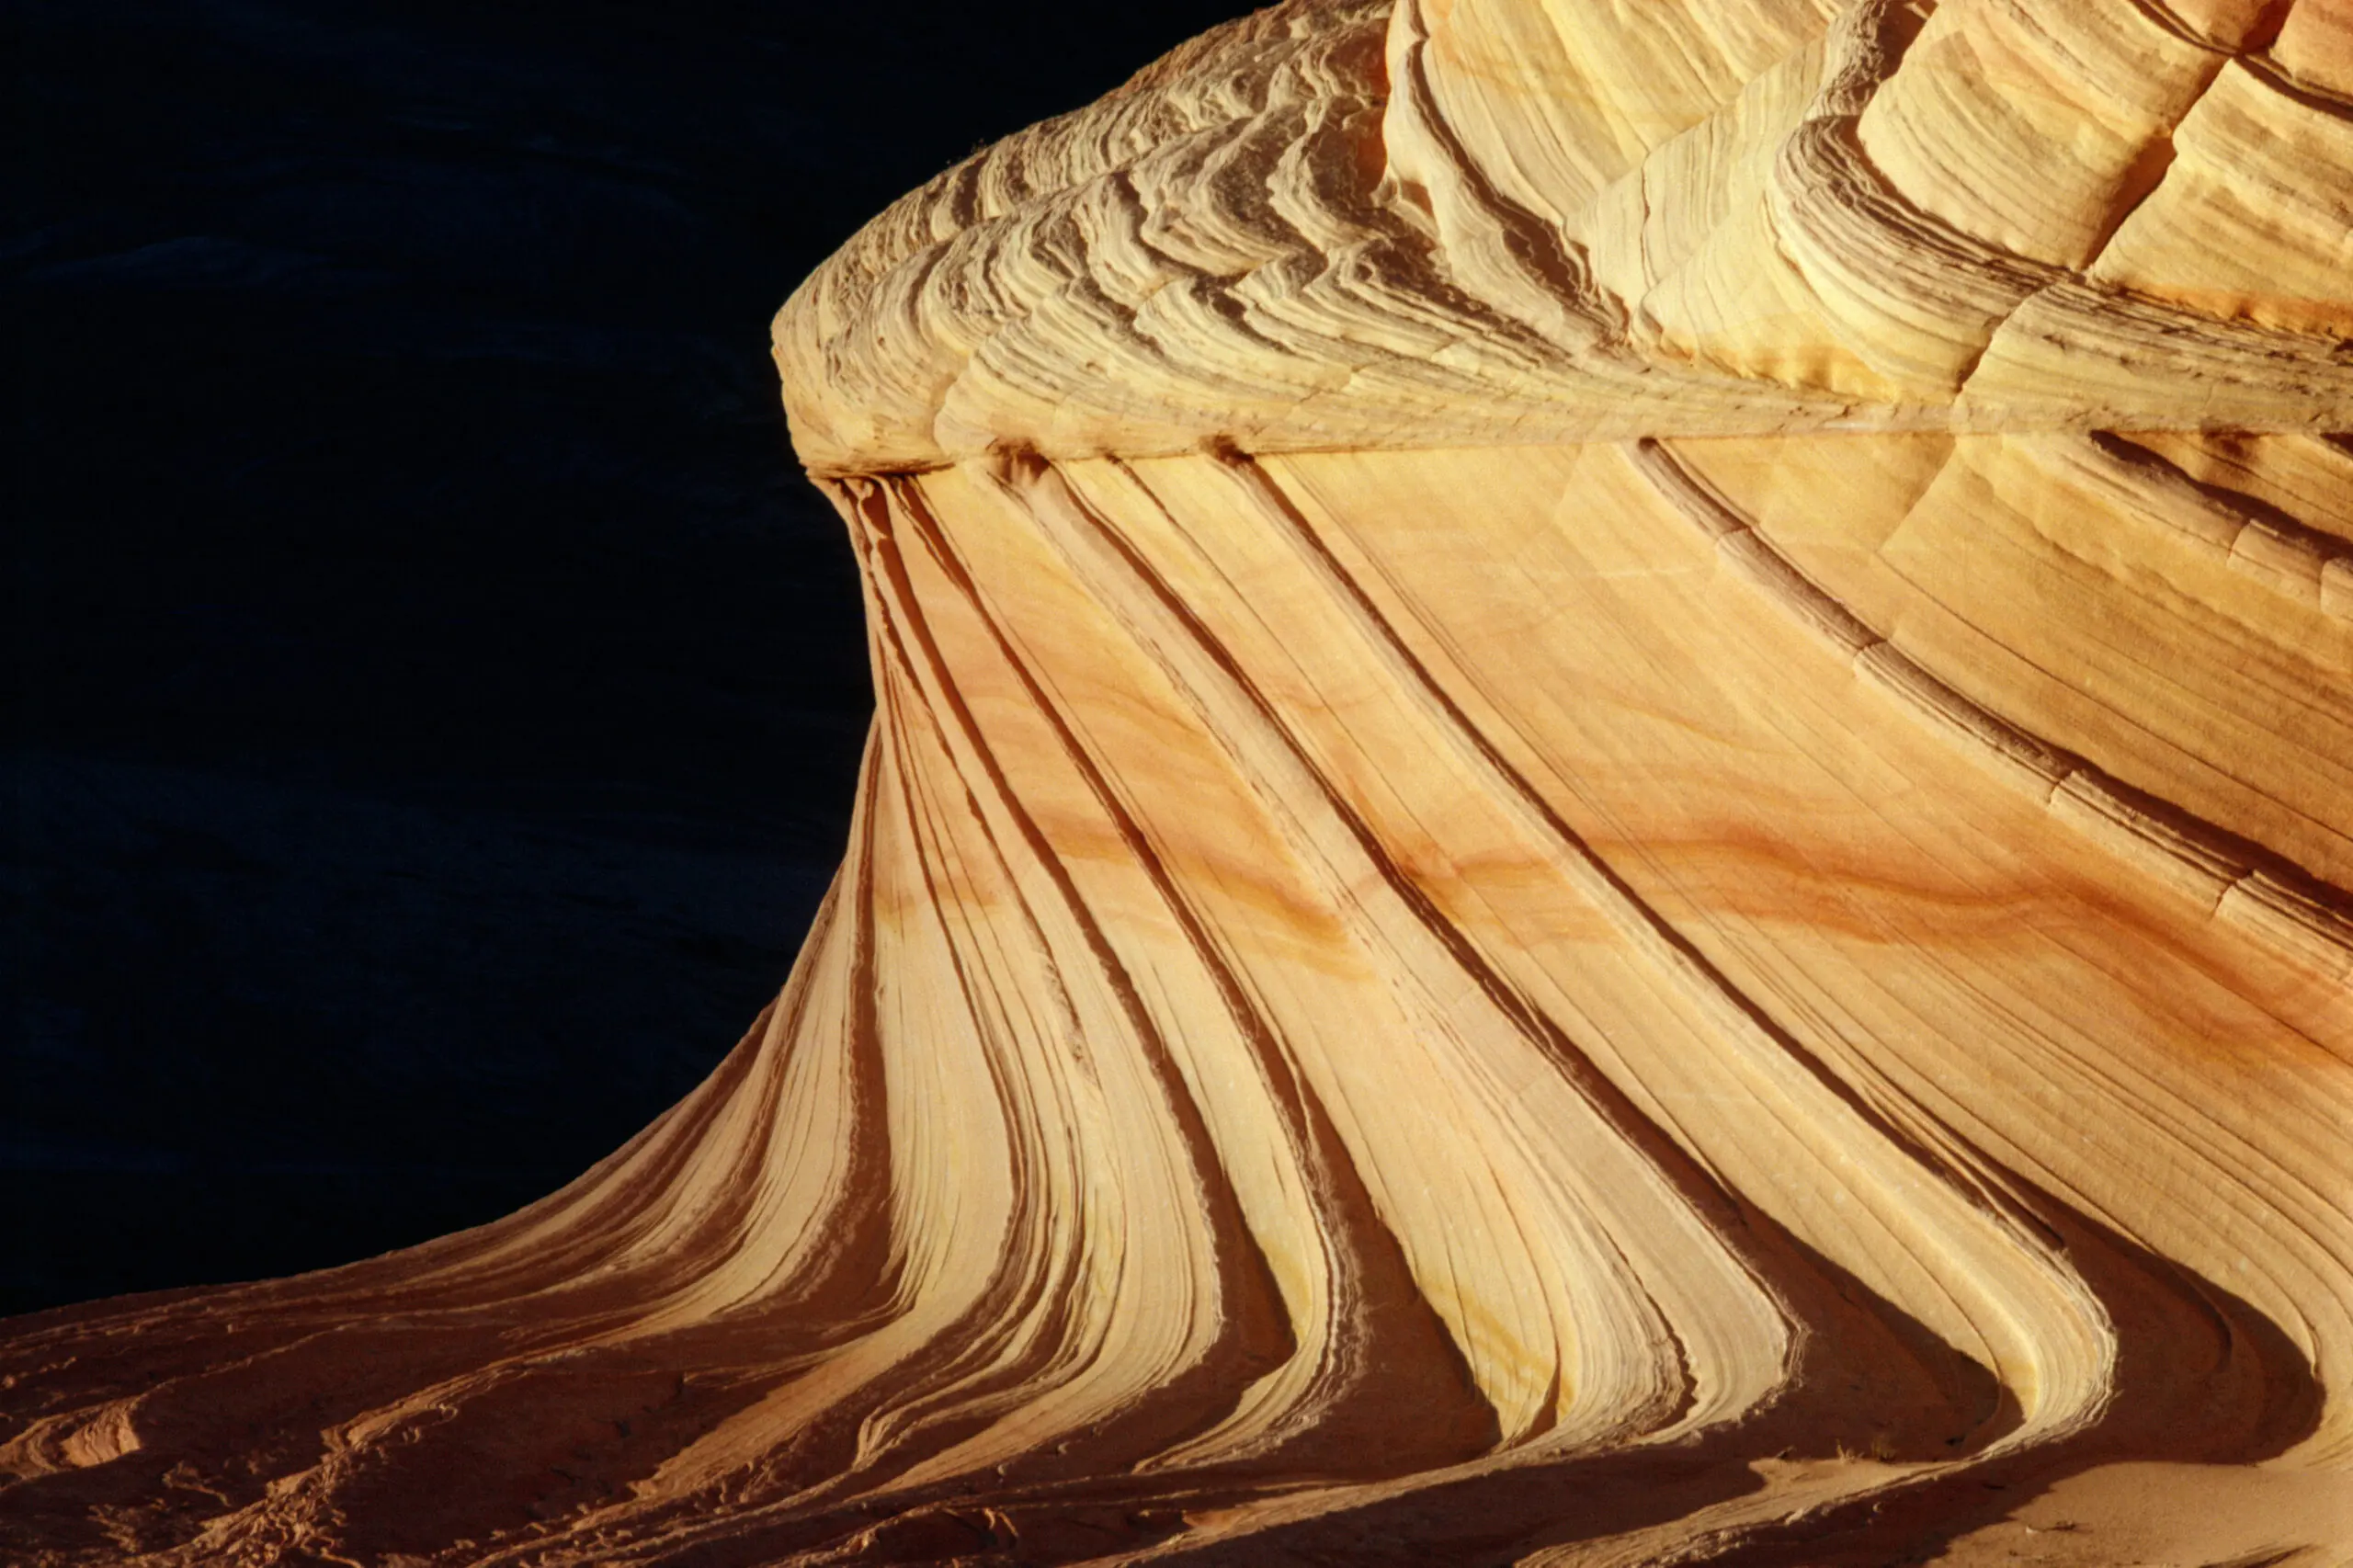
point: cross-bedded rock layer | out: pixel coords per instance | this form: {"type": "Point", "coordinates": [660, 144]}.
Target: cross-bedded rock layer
{"type": "Point", "coordinates": [1610, 826]}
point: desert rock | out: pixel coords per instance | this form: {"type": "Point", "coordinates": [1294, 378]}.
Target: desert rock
{"type": "Point", "coordinates": [1610, 823]}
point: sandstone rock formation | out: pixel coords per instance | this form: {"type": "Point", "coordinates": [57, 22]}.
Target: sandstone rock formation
{"type": "Point", "coordinates": [1609, 824]}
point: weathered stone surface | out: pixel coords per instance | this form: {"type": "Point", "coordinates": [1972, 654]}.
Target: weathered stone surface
{"type": "Point", "coordinates": [1610, 826]}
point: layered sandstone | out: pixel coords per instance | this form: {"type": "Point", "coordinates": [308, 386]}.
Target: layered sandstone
{"type": "Point", "coordinates": [1609, 824]}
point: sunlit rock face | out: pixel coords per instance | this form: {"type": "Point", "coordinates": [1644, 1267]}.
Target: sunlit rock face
{"type": "Point", "coordinates": [1609, 825]}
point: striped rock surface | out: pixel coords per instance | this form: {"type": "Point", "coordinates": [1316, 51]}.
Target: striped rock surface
{"type": "Point", "coordinates": [1610, 823]}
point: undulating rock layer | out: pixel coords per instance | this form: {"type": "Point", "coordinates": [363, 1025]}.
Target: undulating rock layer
{"type": "Point", "coordinates": [1609, 824]}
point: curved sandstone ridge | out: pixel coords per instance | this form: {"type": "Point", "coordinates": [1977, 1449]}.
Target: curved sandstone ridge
{"type": "Point", "coordinates": [1609, 824]}
{"type": "Point", "coordinates": [1341, 226]}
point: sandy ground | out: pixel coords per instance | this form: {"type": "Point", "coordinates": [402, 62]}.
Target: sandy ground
{"type": "Point", "coordinates": [2170, 1515]}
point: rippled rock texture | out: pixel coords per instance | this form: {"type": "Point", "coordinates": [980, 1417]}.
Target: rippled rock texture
{"type": "Point", "coordinates": [1610, 826]}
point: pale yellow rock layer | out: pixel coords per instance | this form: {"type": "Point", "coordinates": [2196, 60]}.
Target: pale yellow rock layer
{"type": "Point", "coordinates": [1346, 225]}
{"type": "Point", "coordinates": [1608, 825]}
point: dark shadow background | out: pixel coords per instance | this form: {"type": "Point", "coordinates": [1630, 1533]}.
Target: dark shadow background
{"type": "Point", "coordinates": [432, 695]}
